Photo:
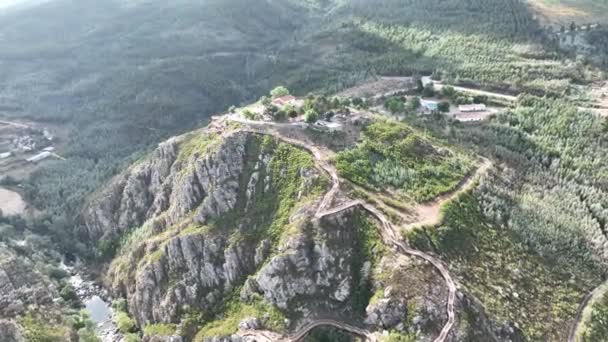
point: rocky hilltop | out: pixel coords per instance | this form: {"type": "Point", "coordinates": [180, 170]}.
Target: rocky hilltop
{"type": "Point", "coordinates": [215, 231]}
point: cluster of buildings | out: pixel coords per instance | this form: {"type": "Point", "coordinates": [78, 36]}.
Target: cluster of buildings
{"type": "Point", "coordinates": [28, 144]}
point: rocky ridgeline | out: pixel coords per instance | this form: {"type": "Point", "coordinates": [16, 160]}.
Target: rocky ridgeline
{"type": "Point", "coordinates": [205, 229]}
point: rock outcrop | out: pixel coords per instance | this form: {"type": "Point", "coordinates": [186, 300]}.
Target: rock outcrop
{"type": "Point", "coordinates": [21, 286]}
{"type": "Point", "coordinates": [210, 219]}
{"type": "Point", "coordinates": [235, 212]}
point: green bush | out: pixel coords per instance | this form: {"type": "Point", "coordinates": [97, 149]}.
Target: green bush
{"type": "Point", "coordinates": [311, 116]}
{"type": "Point", "coordinates": [56, 273]}
{"type": "Point", "coordinates": [132, 338]}
{"type": "Point", "coordinates": [279, 91]}
{"type": "Point", "coordinates": [68, 293]}
{"type": "Point", "coordinates": [119, 304]}
{"type": "Point", "coordinates": [34, 330]}
{"type": "Point", "coordinates": [249, 115]}
{"type": "Point", "coordinates": [125, 323]}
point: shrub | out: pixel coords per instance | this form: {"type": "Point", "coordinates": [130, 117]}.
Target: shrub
{"type": "Point", "coordinates": [395, 105]}
{"type": "Point", "coordinates": [249, 115]}
{"type": "Point", "coordinates": [444, 106]}
{"type": "Point", "coordinates": [429, 90]}
{"type": "Point", "coordinates": [132, 338]}
{"type": "Point", "coordinates": [119, 304]}
{"type": "Point", "coordinates": [125, 323]}
{"type": "Point", "coordinates": [448, 91]}
{"type": "Point", "coordinates": [68, 293]}
{"type": "Point", "coordinates": [57, 273]}
{"type": "Point", "coordinates": [36, 331]}
{"type": "Point", "coordinates": [279, 91]}
{"type": "Point", "coordinates": [311, 116]}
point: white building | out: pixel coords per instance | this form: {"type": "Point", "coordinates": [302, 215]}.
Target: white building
{"type": "Point", "coordinates": [49, 149]}
{"type": "Point", "coordinates": [5, 155]}
{"type": "Point", "coordinates": [39, 157]}
{"type": "Point", "coordinates": [472, 108]}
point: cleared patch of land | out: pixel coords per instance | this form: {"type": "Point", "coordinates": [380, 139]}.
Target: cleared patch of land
{"type": "Point", "coordinates": [564, 12]}
{"type": "Point", "coordinates": [11, 202]}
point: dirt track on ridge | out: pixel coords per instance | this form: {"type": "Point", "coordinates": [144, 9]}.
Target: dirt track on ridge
{"type": "Point", "coordinates": [390, 234]}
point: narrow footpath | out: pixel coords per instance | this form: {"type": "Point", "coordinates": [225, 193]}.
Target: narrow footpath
{"type": "Point", "coordinates": [390, 234]}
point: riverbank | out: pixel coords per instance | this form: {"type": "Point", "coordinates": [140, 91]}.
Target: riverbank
{"type": "Point", "coordinates": [97, 304]}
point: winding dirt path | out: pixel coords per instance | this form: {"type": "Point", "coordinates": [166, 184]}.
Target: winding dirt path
{"type": "Point", "coordinates": [429, 213]}
{"type": "Point", "coordinates": [390, 234]}
{"type": "Point", "coordinates": [585, 305]}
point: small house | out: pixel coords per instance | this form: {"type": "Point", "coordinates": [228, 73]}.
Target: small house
{"type": "Point", "coordinates": [5, 155]}
{"type": "Point", "coordinates": [284, 100]}
{"type": "Point", "coordinates": [49, 149]}
{"type": "Point", "coordinates": [472, 108]}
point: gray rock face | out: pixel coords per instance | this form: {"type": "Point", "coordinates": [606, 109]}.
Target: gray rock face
{"type": "Point", "coordinates": [163, 279]}
{"type": "Point", "coordinates": [309, 271]}
{"type": "Point", "coordinates": [250, 323]}
{"type": "Point", "coordinates": [386, 313]}
{"type": "Point", "coordinates": [194, 272]}
{"type": "Point", "coordinates": [20, 285]}
{"type": "Point", "coordinates": [9, 332]}
{"type": "Point", "coordinates": [206, 186]}
{"type": "Point", "coordinates": [313, 269]}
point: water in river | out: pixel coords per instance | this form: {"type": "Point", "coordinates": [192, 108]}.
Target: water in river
{"type": "Point", "coordinates": [98, 309]}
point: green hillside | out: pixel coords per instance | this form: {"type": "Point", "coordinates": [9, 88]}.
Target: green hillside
{"type": "Point", "coordinates": [123, 77]}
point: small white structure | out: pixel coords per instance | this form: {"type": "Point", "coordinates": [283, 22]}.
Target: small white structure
{"type": "Point", "coordinates": [329, 126]}
{"type": "Point", "coordinates": [49, 149]}
{"type": "Point", "coordinates": [39, 157]}
{"type": "Point", "coordinates": [5, 155]}
{"type": "Point", "coordinates": [284, 100]}
{"type": "Point", "coordinates": [472, 108]}
{"type": "Point", "coordinates": [429, 106]}
{"type": "Point", "coordinates": [48, 135]}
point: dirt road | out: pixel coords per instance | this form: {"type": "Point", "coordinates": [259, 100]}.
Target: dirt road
{"type": "Point", "coordinates": [584, 309]}
{"type": "Point", "coordinates": [390, 234]}
{"type": "Point", "coordinates": [429, 213]}
{"type": "Point", "coordinates": [438, 86]}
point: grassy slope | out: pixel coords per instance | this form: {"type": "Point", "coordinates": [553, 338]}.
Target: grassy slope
{"type": "Point", "coordinates": [513, 284]}
{"type": "Point", "coordinates": [394, 156]}
{"type": "Point", "coordinates": [537, 221]}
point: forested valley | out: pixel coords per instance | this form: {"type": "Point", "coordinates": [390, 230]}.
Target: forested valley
{"type": "Point", "coordinates": [124, 76]}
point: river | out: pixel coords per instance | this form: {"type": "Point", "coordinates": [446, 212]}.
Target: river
{"type": "Point", "coordinates": [97, 303]}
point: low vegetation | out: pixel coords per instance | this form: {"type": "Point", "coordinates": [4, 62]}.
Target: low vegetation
{"type": "Point", "coordinates": [368, 247]}
{"type": "Point", "coordinates": [494, 264]}
{"type": "Point", "coordinates": [394, 156]}
{"type": "Point", "coordinates": [37, 329]}
{"type": "Point", "coordinates": [160, 329]}
{"type": "Point", "coordinates": [596, 327]}
{"type": "Point", "coordinates": [235, 311]}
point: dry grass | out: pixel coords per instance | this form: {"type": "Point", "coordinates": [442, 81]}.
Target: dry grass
{"type": "Point", "coordinates": [563, 12]}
